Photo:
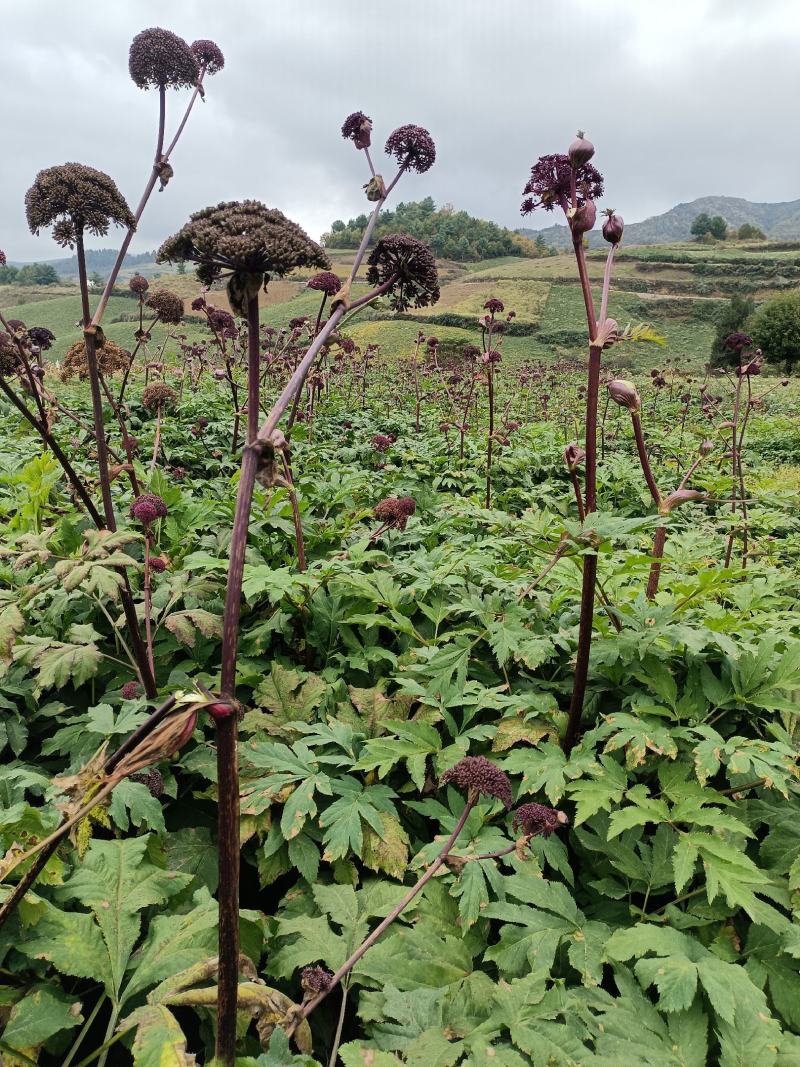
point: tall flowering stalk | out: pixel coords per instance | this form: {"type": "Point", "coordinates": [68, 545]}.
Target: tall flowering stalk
{"type": "Point", "coordinates": [571, 183]}
{"type": "Point", "coordinates": [73, 199]}
{"type": "Point", "coordinates": [248, 243]}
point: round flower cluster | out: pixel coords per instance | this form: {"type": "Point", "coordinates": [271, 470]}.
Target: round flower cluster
{"type": "Point", "coordinates": [315, 979]}
{"type": "Point", "coordinates": [245, 240]}
{"type": "Point", "coordinates": [41, 337]}
{"type": "Point", "coordinates": [130, 690]}
{"type": "Point", "coordinates": [537, 819]}
{"type": "Point", "coordinates": [9, 356]}
{"type": "Point", "coordinates": [147, 508]}
{"type": "Point", "coordinates": [208, 55]}
{"type": "Point", "coordinates": [110, 359]}
{"type": "Point", "coordinates": [410, 267]}
{"type": "Point", "coordinates": [737, 341]}
{"type": "Point", "coordinates": [158, 395]}
{"type": "Point", "coordinates": [153, 779]}
{"type": "Point", "coordinates": [138, 284]}
{"type": "Point", "coordinates": [161, 59]}
{"type": "Point", "coordinates": [72, 198]}
{"type": "Point", "coordinates": [158, 564]}
{"type": "Point", "coordinates": [358, 129]}
{"type": "Point", "coordinates": [382, 442]}
{"type": "Point", "coordinates": [167, 305]}
{"type": "Point", "coordinates": [2, 258]}
{"type": "Point", "coordinates": [477, 774]}
{"type": "Point", "coordinates": [494, 306]}
{"type": "Point", "coordinates": [550, 184]}
{"type": "Point", "coordinates": [433, 342]}
{"type": "Point", "coordinates": [412, 147]}
{"type": "Point", "coordinates": [395, 511]}
{"type": "Point", "coordinates": [326, 282]}
{"type": "Point", "coordinates": [219, 319]}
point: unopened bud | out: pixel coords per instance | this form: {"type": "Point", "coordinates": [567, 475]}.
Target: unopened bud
{"type": "Point", "coordinates": [574, 455]}
{"type": "Point", "coordinates": [613, 227]}
{"type": "Point", "coordinates": [583, 218]}
{"type": "Point", "coordinates": [625, 394]}
{"type": "Point", "coordinates": [680, 496]}
{"type": "Point", "coordinates": [706, 447]}
{"type": "Point", "coordinates": [580, 151]}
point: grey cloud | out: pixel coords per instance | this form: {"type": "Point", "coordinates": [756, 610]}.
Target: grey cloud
{"type": "Point", "coordinates": [682, 100]}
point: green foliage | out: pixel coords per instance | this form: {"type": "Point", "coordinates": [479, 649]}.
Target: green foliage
{"type": "Point", "coordinates": [732, 318]}
{"type": "Point", "coordinates": [776, 330]}
{"type": "Point", "coordinates": [706, 225]}
{"type": "Point", "coordinates": [450, 234]}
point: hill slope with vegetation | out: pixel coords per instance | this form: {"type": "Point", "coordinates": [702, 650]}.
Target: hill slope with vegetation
{"type": "Point", "coordinates": [449, 233]}
{"type": "Point", "coordinates": [779, 221]}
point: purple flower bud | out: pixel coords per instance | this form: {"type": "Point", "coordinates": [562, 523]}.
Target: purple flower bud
{"type": "Point", "coordinates": [625, 394]}
{"type": "Point", "coordinates": [613, 227]}
{"type": "Point", "coordinates": [584, 218]}
{"type": "Point", "coordinates": [580, 151]}
{"type": "Point", "coordinates": [574, 455]}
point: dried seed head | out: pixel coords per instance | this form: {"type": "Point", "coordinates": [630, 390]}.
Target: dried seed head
{"type": "Point", "coordinates": [41, 337]}
{"type": "Point", "coordinates": [138, 284]}
{"type": "Point", "coordinates": [110, 359]}
{"type": "Point", "coordinates": [168, 306]}
{"type": "Point", "coordinates": [245, 241]}
{"type": "Point", "coordinates": [537, 819]}
{"type": "Point", "coordinates": [158, 395]}
{"type": "Point", "coordinates": [161, 59]}
{"type": "Point", "coordinates": [477, 774]}
{"type": "Point", "coordinates": [409, 265]}
{"type": "Point", "coordinates": [208, 55]}
{"type": "Point", "coordinates": [736, 342]}
{"type": "Point", "coordinates": [412, 147]}
{"type": "Point", "coordinates": [153, 779]}
{"type": "Point", "coordinates": [73, 198]}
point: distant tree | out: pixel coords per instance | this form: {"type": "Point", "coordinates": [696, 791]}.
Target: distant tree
{"type": "Point", "coordinates": [96, 280]}
{"type": "Point", "coordinates": [731, 319]}
{"type": "Point", "coordinates": [701, 225]}
{"type": "Point", "coordinates": [37, 274]}
{"type": "Point", "coordinates": [775, 328]}
{"type": "Point", "coordinates": [718, 227]}
{"type": "Point", "coordinates": [448, 232]}
{"type": "Point", "coordinates": [181, 268]}
{"type": "Point", "coordinates": [541, 245]}
{"type": "Point", "coordinates": [8, 275]}
{"type": "Point", "coordinates": [704, 224]}
{"type": "Point", "coordinates": [748, 232]}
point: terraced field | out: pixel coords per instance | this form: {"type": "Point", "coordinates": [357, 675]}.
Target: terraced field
{"type": "Point", "coordinates": [677, 289]}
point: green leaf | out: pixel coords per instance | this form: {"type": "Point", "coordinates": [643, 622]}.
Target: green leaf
{"type": "Point", "coordinates": [159, 1040]}
{"type": "Point", "coordinates": [185, 624]}
{"type": "Point", "coordinates": [356, 1054]}
{"type": "Point", "coordinates": [117, 884]}
{"type": "Point", "coordinates": [388, 850]}
{"type": "Point", "coordinates": [175, 942]}
{"type": "Point", "coordinates": [40, 1014]}
{"type": "Point", "coordinates": [684, 858]}
{"type": "Point", "coordinates": [12, 624]}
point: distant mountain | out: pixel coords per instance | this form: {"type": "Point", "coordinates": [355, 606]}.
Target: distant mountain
{"type": "Point", "coordinates": [778, 221]}
{"type": "Point", "coordinates": [97, 259]}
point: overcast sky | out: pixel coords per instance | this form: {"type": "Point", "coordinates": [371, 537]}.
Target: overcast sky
{"type": "Point", "coordinates": [682, 98]}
